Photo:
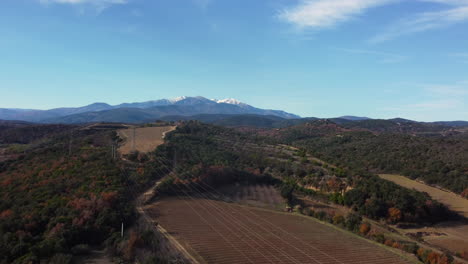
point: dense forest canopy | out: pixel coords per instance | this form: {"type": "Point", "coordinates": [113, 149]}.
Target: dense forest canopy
{"type": "Point", "coordinates": [61, 194]}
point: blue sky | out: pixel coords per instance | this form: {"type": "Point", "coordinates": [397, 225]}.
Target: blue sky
{"type": "Point", "coordinates": [325, 58]}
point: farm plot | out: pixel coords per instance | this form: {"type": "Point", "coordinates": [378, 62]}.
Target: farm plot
{"type": "Point", "coordinates": [453, 201]}
{"type": "Point", "coordinates": [219, 232]}
{"type": "Point", "coordinates": [264, 196]}
{"type": "Point", "coordinates": [452, 236]}
{"type": "Point", "coordinates": [143, 139]}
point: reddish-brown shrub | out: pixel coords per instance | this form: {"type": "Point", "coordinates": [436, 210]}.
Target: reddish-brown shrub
{"type": "Point", "coordinates": [394, 215]}
{"type": "Point", "coordinates": [133, 241]}
{"type": "Point", "coordinates": [389, 242]}
{"type": "Point", "coordinates": [464, 194]}
{"type": "Point", "coordinates": [422, 254]}
{"type": "Point", "coordinates": [364, 228]}
{"type": "Point", "coordinates": [463, 255]}
{"type": "Point", "coordinates": [433, 258]}
{"type": "Point", "coordinates": [6, 214]}
{"type": "Point", "coordinates": [109, 197]}
{"type": "Point", "coordinates": [444, 260]}
{"type": "Point", "coordinates": [396, 245]}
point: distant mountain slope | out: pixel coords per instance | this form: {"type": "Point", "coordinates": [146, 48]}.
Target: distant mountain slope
{"type": "Point", "coordinates": [40, 115]}
{"type": "Point", "coordinates": [138, 115]}
{"type": "Point", "coordinates": [120, 115]}
{"type": "Point", "coordinates": [139, 112]}
{"type": "Point", "coordinates": [452, 123]}
{"type": "Point", "coordinates": [354, 118]}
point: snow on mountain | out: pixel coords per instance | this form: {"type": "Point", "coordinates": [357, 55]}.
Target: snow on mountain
{"type": "Point", "coordinates": [177, 99]}
{"type": "Point", "coordinates": [229, 101]}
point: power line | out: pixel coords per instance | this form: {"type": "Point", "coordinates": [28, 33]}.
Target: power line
{"type": "Point", "coordinates": [207, 222]}
{"type": "Point", "coordinates": [228, 241]}
{"type": "Point", "coordinates": [279, 228]}
{"type": "Point", "coordinates": [234, 220]}
{"type": "Point", "coordinates": [267, 231]}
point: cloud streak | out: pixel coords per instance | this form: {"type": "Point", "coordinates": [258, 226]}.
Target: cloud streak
{"type": "Point", "coordinates": [463, 56]}
{"type": "Point", "coordinates": [383, 57]}
{"type": "Point", "coordinates": [95, 2]}
{"type": "Point", "coordinates": [100, 5]}
{"type": "Point", "coordinates": [326, 13]}
{"type": "Point", "coordinates": [456, 90]}
{"type": "Point", "coordinates": [423, 22]}
{"type": "Point", "coordinates": [435, 99]}
{"type": "Point", "coordinates": [203, 4]}
{"type": "Point", "coordinates": [323, 14]}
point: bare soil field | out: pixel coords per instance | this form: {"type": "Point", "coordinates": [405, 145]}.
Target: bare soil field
{"type": "Point", "coordinates": [453, 201]}
{"type": "Point", "coordinates": [143, 139]}
{"type": "Point", "coordinates": [451, 236]}
{"type": "Point", "coordinates": [255, 195]}
{"type": "Point", "coordinates": [330, 209]}
{"type": "Point", "coordinates": [220, 232]}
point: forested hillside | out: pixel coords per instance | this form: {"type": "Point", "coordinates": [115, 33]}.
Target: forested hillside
{"type": "Point", "coordinates": [60, 196]}
{"type": "Point", "coordinates": [438, 160]}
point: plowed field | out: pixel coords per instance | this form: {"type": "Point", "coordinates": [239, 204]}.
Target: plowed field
{"type": "Point", "coordinates": [225, 233]}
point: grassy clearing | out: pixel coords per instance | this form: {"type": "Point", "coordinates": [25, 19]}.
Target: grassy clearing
{"type": "Point", "coordinates": [453, 201]}
{"type": "Point", "coordinates": [143, 139]}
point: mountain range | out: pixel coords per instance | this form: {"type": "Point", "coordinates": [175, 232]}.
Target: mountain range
{"type": "Point", "coordinates": [139, 112]}
{"type": "Point", "coordinates": [227, 112]}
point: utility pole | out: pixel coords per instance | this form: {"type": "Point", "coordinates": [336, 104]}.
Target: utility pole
{"type": "Point", "coordinates": [70, 143]}
{"type": "Point", "coordinates": [175, 159]}
{"type": "Point", "coordinates": [113, 151]}
{"type": "Point", "coordinates": [122, 232]}
{"type": "Point", "coordinates": [134, 138]}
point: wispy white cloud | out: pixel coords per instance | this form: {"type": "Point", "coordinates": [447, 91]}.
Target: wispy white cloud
{"type": "Point", "coordinates": [382, 57]}
{"type": "Point", "coordinates": [326, 13]}
{"type": "Point", "coordinates": [99, 5]}
{"type": "Point", "coordinates": [321, 14]}
{"type": "Point", "coordinates": [136, 13]}
{"type": "Point", "coordinates": [448, 2]}
{"type": "Point", "coordinates": [427, 106]}
{"type": "Point", "coordinates": [459, 89]}
{"type": "Point", "coordinates": [437, 105]}
{"type": "Point", "coordinates": [463, 56]}
{"type": "Point", "coordinates": [436, 101]}
{"type": "Point", "coordinates": [203, 4]}
{"type": "Point", "coordinates": [424, 22]}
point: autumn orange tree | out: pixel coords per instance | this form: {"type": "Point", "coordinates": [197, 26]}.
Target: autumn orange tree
{"type": "Point", "coordinates": [394, 215]}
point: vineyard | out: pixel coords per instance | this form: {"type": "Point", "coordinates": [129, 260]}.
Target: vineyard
{"type": "Point", "coordinates": [225, 233]}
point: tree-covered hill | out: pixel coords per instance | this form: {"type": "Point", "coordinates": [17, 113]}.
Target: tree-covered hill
{"type": "Point", "coordinates": [439, 160]}
{"type": "Point", "coordinates": [56, 196]}
{"type": "Point", "coordinates": [218, 156]}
